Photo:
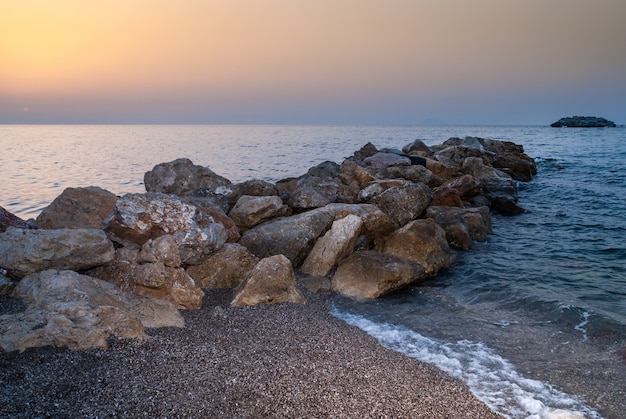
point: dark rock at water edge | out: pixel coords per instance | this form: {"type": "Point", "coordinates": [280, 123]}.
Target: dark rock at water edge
{"type": "Point", "coordinates": [583, 122]}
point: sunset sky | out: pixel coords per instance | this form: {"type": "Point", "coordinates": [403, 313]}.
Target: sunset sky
{"type": "Point", "coordinates": [311, 61]}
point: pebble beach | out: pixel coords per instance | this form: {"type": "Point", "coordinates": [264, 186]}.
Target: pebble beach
{"type": "Point", "coordinates": [286, 360]}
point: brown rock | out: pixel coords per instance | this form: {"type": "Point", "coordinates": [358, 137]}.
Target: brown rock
{"type": "Point", "coordinates": [272, 281]}
{"type": "Point", "coordinates": [423, 242]}
{"type": "Point", "coordinates": [369, 274]}
{"type": "Point", "coordinates": [417, 148]}
{"type": "Point", "coordinates": [226, 268]}
{"type": "Point", "coordinates": [252, 210]}
{"type": "Point", "coordinates": [257, 187]}
{"type": "Point", "coordinates": [8, 219]}
{"type": "Point", "coordinates": [78, 208]}
{"type": "Point", "coordinates": [404, 203]}
{"type": "Point", "coordinates": [462, 225]}
{"type": "Point", "coordinates": [80, 312]}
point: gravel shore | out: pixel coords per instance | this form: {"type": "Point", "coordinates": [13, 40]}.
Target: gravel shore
{"type": "Point", "coordinates": [284, 361]}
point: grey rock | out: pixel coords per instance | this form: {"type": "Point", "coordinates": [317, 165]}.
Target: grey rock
{"type": "Point", "coordinates": [292, 236]}
{"type": "Point", "coordinates": [23, 252]}
{"type": "Point", "coordinates": [182, 177]}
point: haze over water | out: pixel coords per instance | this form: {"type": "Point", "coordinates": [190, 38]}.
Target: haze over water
{"type": "Point", "coordinates": [533, 319]}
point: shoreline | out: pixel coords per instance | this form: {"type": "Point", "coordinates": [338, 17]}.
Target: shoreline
{"type": "Point", "coordinates": [284, 360]}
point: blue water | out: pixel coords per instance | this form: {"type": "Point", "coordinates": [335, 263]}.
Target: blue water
{"type": "Point", "coordinates": [533, 319]}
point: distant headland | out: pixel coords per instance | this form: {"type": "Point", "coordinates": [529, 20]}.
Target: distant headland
{"type": "Point", "coordinates": [583, 122]}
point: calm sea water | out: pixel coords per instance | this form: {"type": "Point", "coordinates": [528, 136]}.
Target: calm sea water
{"type": "Point", "coordinates": [533, 319]}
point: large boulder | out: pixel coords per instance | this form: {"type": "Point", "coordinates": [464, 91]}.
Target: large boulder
{"type": "Point", "coordinates": [252, 210]}
{"type": "Point", "coordinates": [256, 187]}
{"type": "Point", "coordinates": [382, 160]}
{"type": "Point", "coordinates": [455, 192]}
{"type": "Point", "coordinates": [414, 173]}
{"type": "Point", "coordinates": [8, 219]}
{"type": "Point", "coordinates": [368, 274]}
{"type": "Point", "coordinates": [226, 268]}
{"type": "Point", "coordinates": [511, 159]}
{"type": "Point", "coordinates": [152, 272]}
{"type": "Point", "coordinates": [417, 148]}
{"type": "Point", "coordinates": [336, 244]}
{"type": "Point", "coordinates": [420, 241]}
{"type": "Point", "coordinates": [138, 218]}
{"type": "Point", "coordinates": [404, 203]}
{"type": "Point", "coordinates": [317, 188]}
{"type": "Point", "coordinates": [78, 208]}
{"type": "Point", "coordinates": [462, 225]}
{"type": "Point", "coordinates": [23, 252]}
{"type": "Point", "coordinates": [292, 236]}
{"type": "Point", "coordinates": [497, 186]}
{"type": "Point", "coordinates": [352, 179]}
{"type": "Point", "coordinates": [271, 281]}
{"type": "Point", "coordinates": [210, 212]}
{"type": "Point", "coordinates": [80, 312]}
{"type": "Point", "coordinates": [182, 177]}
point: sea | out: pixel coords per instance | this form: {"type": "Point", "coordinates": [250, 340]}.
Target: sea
{"type": "Point", "coordinates": [533, 320]}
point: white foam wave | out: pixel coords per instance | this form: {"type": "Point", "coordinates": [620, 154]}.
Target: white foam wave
{"type": "Point", "coordinates": [491, 378]}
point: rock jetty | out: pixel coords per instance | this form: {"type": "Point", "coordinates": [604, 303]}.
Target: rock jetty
{"type": "Point", "coordinates": [94, 264]}
{"type": "Point", "coordinates": [583, 122]}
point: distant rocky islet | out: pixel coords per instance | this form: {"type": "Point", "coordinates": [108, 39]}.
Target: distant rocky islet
{"type": "Point", "coordinates": [94, 264]}
{"type": "Point", "coordinates": [583, 122]}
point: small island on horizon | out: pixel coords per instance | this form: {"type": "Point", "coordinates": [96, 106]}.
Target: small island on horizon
{"type": "Point", "coordinates": [583, 122]}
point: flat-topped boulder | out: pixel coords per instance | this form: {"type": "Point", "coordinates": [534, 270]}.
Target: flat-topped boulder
{"type": "Point", "coordinates": [583, 122]}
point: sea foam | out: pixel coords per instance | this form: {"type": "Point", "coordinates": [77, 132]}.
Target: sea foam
{"type": "Point", "coordinates": [491, 378]}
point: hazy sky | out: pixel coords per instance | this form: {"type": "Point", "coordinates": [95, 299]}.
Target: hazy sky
{"type": "Point", "coordinates": [311, 61]}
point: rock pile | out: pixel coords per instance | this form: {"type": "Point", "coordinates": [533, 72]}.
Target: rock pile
{"type": "Point", "coordinates": [377, 222]}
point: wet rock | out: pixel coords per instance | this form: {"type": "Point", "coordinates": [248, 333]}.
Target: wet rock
{"type": "Point", "coordinates": [23, 252]}
{"type": "Point", "coordinates": [496, 185]}
{"type": "Point", "coordinates": [314, 283]}
{"type": "Point", "coordinates": [462, 225]}
{"type": "Point", "coordinates": [226, 268]}
{"type": "Point", "coordinates": [182, 177]}
{"type": "Point", "coordinates": [336, 244]}
{"type": "Point", "coordinates": [271, 281]}
{"type": "Point", "coordinates": [423, 242]}
{"type": "Point", "coordinates": [368, 274]}
{"type": "Point", "coordinates": [252, 210]}
{"type": "Point", "coordinates": [456, 191]}
{"type": "Point", "coordinates": [8, 219]}
{"type": "Point", "coordinates": [511, 159]}
{"type": "Point", "coordinates": [404, 203]}
{"type": "Point", "coordinates": [78, 208]}
{"type": "Point", "coordinates": [80, 312]}
{"type": "Point", "coordinates": [292, 236]}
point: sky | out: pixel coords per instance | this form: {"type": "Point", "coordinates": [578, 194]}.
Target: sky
{"type": "Point", "coordinates": [504, 62]}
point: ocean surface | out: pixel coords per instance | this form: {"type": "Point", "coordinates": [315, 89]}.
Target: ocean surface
{"type": "Point", "coordinates": [533, 319]}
